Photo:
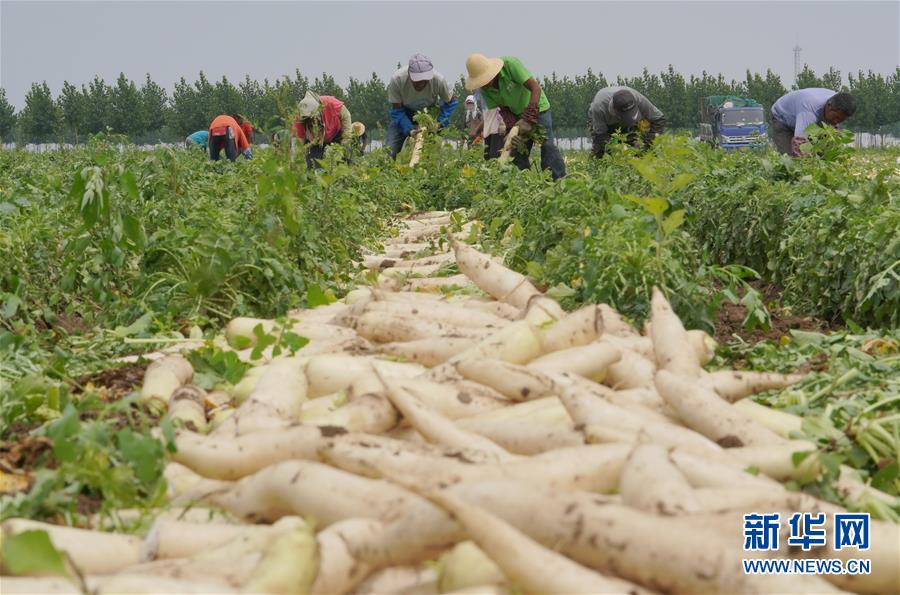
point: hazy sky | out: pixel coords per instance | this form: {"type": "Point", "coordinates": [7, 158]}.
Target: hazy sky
{"type": "Point", "coordinates": [73, 40]}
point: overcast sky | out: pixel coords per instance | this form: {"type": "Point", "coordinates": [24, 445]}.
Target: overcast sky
{"type": "Point", "coordinates": [74, 40]}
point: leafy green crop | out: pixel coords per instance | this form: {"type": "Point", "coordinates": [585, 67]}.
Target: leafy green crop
{"type": "Point", "coordinates": [850, 403]}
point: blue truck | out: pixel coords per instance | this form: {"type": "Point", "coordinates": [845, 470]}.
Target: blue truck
{"type": "Point", "coordinates": [732, 122]}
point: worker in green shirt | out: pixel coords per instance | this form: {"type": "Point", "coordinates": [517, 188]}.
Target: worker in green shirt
{"type": "Point", "coordinates": [506, 83]}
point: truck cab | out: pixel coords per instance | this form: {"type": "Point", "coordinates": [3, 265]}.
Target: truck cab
{"type": "Point", "coordinates": [732, 123]}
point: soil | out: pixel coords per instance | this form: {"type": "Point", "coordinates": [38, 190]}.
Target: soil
{"type": "Point", "coordinates": [730, 319]}
{"type": "Point", "coordinates": [22, 452]}
{"type": "Point", "coordinates": [118, 382]}
{"type": "Point", "coordinates": [72, 324]}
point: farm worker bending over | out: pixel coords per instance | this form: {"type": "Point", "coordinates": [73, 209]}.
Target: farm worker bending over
{"type": "Point", "coordinates": [323, 120]}
{"type": "Point", "coordinates": [493, 127]}
{"type": "Point", "coordinates": [197, 139]}
{"type": "Point", "coordinates": [413, 88]}
{"type": "Point", "coordinates": [622, 109]}
{"type": "Point", "coordinates": [793, 112]}
{"type": "Point", "coordinates": [245, 126]}
{"type": "Point", "coordinates": [474, 121]}
{"type": "Point", "coordinates": [505, 82]}
{"type": "Point", "coordinates": [225, 133]}
{"type": "Point", "coordinates": [362, 137]}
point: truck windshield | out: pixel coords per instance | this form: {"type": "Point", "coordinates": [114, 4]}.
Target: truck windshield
{"type": "Point", "coordinates": [742, 117]}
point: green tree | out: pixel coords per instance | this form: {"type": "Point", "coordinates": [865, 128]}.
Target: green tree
{"type": "Point", "coordinates": [328, 86]}
{"type": "Point", "coordinates": [807, 78]}
{"type": "Point", "coordinates": [675, 100]}
{"type": "Point", "coordinates": [206, 100]}
{"type": "Point", "coordinates": [154, 106]}
{"type": "Point", "coordinates": [98, 106]}
{"type": "Point", "coordinates": [367, 102]}
{"type": "Point", "coordinates": [74, 105]}
{"type": "Point", "coordinates": [125, 115]}
{"type": "Point", "coordinates": [7, 117]}
{"type": "Point", "coordinates": [833, 79]}
{"type": "Point", "coordinates": [765, 90]}
{"type": "Point", "coordinates": [225, 99]}
{"type": "Point", "coordinates": [41, 119]}
{"type": "Point", "coordinates": [251, 99]}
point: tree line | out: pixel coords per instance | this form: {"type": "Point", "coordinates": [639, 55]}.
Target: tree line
{"type": "Point", "coordinates": [146, 112]}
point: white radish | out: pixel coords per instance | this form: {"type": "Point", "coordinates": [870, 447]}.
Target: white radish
{"type": "Point", "coordinates": [525, 562]}
{"type": "Point", "coordinates": [733, 385]}
{"type": "Point", "coordinates": [651, 482]}
{"type": "Point", "coordinates": [493, 278]}
{"type": "Point", "coordinates": [671, 344]}
{"type": "Point", "coordinates": [589, 361]}
{"type": "Point", "coordinates": [631, 371]}
{"type": "Point", "coordinates": [786, 425]}
{"type": "Point", "coordinates": [777, 460]}
{"type": "Point", "coordinates": [518, 383]}
{"type": "Point", "coordinates": [434, 284]}
{"type": "Point", "coordinates": [704, 411]}
{"type": "Point", "coordinates": [339, 570]}
{"type": "Point", "coordinates": [382, 327]}
{"type": "Point", "coordinates": [443, 312]}
{"type": "Point", "coordinates": [613, 324]}
{"type": "Point", "coordinates": [233, 457]}
{"type": "Point", "coordinates": [453, 401]}
{"type": "Point", "coordinates": [542, 311]}
{"type": "Point", "coordinates": [435, 427]}
{"type": "Point", "coordinates": [186, 406]}
{"type": "Point", "coordinates": [165, 375]}
{"type": "Point", "coordinates": [466, 566]}
{"type": "Point", "coordinates": [289, 564]}
{"type": "Point", "coordinates": [275, 401]}
{"type": "Point", "coordinates": [428, 352]}
{"type": "Point", "coordinates": [170, 538]}
{"type": "Point", "coordinates": [93, 552]}
{"type": "Point", "coordinates": [403, 580]}
{"type": "Point", "coordinates": [305, 488]}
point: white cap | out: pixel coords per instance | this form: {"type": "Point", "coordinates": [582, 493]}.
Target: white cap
{"type": "Point", "coordinates": [420, 68]}
{"type": "Point", "coordinates": [470, 99]}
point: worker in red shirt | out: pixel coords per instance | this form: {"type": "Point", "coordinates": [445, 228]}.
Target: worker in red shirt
{"type": "Point", "coordinates": [226, 133]}
{"type": "Point", "coordinates": [245, 126]}
{"type": "Point", "coordinates": [322, 120]}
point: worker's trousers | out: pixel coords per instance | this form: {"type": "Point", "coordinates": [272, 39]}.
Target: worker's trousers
{"type": "Point", "coordinates": [551, 158]}
{"type": "Point", "coordinates": [217, 143]}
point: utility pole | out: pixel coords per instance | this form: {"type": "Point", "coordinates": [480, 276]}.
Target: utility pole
{"type": "Point", "coordinates": [797, 50]}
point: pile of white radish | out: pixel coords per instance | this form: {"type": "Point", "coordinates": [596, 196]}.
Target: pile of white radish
{"type": "Point", "coordinates": [478, 441]}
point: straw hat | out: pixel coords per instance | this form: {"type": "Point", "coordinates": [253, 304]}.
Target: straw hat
{"type": "Point", "coordinates": [309, 105]}
{"type": "Point", "coordinates": [358, 128]}
{"type": "Point", "coordinates": [482, 70]}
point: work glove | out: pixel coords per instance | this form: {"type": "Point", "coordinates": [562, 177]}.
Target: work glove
{"type": "Point", "coordinates": [248, 154]}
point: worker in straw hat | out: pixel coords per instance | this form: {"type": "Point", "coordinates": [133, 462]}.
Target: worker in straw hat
{"type": "Point", "coordinates": [412, 88]}
{"type": "Point", "coordinates": [505, 82]}
{"type": "Point", "coordinates": [359, 133]}
{"type": "Point", "coordinates": [321, 121]}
